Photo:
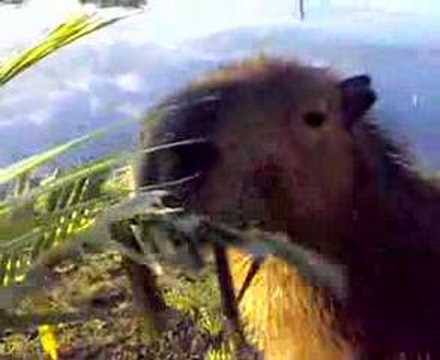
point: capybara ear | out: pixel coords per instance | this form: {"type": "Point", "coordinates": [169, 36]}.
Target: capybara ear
{"type": "Point", "coordinates": [357, 97]}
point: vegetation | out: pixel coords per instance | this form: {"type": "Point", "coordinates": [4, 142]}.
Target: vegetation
{"type": "Point", "coordinates": [63, 289]}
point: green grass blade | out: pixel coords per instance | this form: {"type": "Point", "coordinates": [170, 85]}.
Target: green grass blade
{"type": "Point", "coordinates": [24, 166]}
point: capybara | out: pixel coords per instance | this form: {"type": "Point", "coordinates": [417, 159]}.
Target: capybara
{"type": "Point", "coordinates": [295, 149]}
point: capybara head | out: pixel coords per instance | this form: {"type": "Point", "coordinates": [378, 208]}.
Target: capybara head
{"type": "Point", "coordinates": [283, 145]}
{"type": "Point", "coordinates": [273, 145]}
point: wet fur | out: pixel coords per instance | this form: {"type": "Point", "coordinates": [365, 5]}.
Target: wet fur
{"type": "Point", "coordinates": [345, 190]}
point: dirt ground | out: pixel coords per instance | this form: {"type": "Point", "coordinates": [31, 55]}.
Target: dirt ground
{"type": "Point", "coordinates": [97, 285]}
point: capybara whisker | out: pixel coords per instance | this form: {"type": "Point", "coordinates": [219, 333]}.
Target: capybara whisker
{"type": "Point", "coordinates": [168, 184]}
{"type": "Point", "coordinates": [172, 145]}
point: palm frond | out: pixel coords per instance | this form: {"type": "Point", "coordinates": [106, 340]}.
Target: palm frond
{"type": "Point", "coordinates": [60, 214]}
{"type": "Point", "coordinates": [68, 207]}
{"type": "Point", "coordinates": [74, 28]}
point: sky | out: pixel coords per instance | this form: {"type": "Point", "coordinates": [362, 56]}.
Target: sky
{"type": "Point", "coordinates": [192, 18]}
{"type": "Point", "coordinates": [195, 18]}
{"type": "Point", "coordinates": [117, 71]}
{"type": "Point", "coordinates": [172, 21]}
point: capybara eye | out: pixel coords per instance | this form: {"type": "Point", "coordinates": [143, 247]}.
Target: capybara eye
{"type": "Point", "coordinates": [314, 119]}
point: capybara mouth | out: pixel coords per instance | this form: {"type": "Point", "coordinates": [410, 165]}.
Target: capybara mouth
{"type": "Point", "coordinates": [183, 169]}
{"type": "Point", "coordinates": [174, 197]}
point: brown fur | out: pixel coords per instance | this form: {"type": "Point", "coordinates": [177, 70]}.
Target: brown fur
{"type": "Point", "coordinates": [342, 188]}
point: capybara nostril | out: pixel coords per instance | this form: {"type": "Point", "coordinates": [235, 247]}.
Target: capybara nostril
{"type": "Point", "coordinates": [314, 119]}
